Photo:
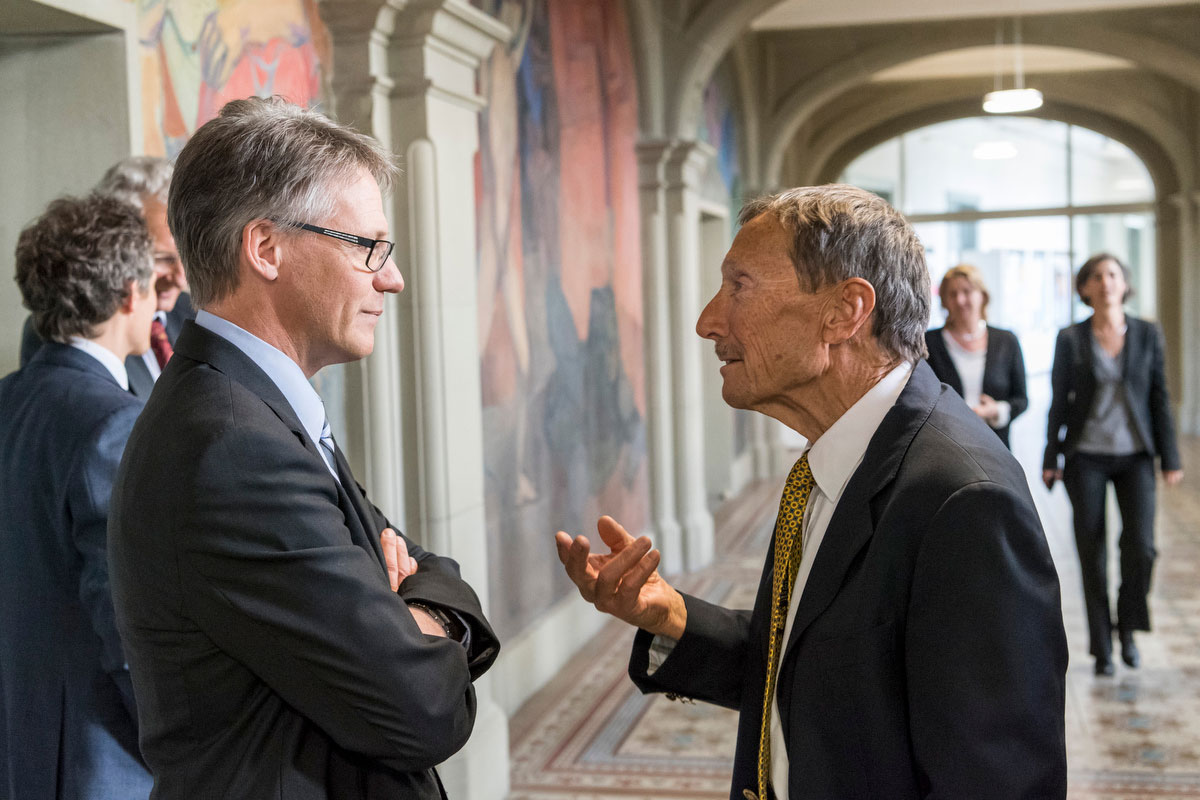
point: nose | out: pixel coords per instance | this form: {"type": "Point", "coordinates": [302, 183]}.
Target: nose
{"type": "Point", "coordinates": [389, 278]}
{"type": "Point", "coordinates": [180, 275]}
{"type": "Point", "coordinates": [710, 324]}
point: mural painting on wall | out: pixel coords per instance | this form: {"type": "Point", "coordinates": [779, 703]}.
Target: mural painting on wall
{"type": "Point", "coordinates": [199, 54]}
{"type": "Point", "coordinates": [719, 128]}
{"type": "Point", "coordinates": [723, 182]}
{"type": "Point", "coordinates": [560, 293]}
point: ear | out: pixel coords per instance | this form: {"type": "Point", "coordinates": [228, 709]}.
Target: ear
{"type": "Point", "coordinates": [131, 293]}
{"type": "Point", "coordinates": [262, 248]}
{"type": "Point", "coordinates": [850, 305]}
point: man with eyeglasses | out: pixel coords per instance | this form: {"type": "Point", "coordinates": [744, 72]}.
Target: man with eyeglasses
{"type": "Point", "coordinates": [143, 182]}
{"type": "Point", "coordinates": [283, 639]}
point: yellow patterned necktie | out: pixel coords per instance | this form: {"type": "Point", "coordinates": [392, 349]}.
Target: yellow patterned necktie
{"type": "Point", "coordinates": [789, 546]}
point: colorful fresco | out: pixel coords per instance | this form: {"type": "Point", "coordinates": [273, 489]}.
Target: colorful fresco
{"type": "Point", "coordinates": [560, 293]}
{"type": "Point", "coordinates": [199, 54]}
{"type": "Point", "coordinates": [719, 128]}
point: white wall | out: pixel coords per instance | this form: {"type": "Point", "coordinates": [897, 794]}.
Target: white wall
{"type": "Point", "coordinates": [64, 118]}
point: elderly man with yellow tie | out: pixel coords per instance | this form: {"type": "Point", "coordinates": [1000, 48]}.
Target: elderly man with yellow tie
{"type": "Point", "coordinates": [906, 640]}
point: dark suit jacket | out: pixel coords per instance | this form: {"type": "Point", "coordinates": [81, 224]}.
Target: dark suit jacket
{"type": "Point", "coordinates": [140, 381]}
{"type": "Point", "coordinates": [1003, 370]}
{"type": "Point", "coordinates": [928, 657]}
{"type": "Point", "coordinates": [1073, 381]}
{"type": "Point", "coordinates": [269, 655]}
{"type": "Point", "coordinates": [67, 720]}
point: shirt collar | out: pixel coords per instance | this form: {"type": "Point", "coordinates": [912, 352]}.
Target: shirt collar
{"type": "Point", "coordinates": [107, 358]}
{"type": "Point", "coordinates": [285, 373]}
{"type": "Point", "coordinates": [835, 456]}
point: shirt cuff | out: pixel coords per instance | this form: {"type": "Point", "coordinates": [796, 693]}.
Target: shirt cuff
{"type": "Point", "coordinates": [660, 647]}
{"type": "Point", "coordinates": [1003, 414]}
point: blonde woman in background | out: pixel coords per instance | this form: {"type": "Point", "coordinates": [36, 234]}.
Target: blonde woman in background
{"type": "Point", "coordinates": [983, 364]}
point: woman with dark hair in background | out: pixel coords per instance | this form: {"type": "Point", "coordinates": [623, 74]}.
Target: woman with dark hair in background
{"type": "Point", "coordinates": [983, 364]}
{"type": "Point", "coordinates": [1109, 418]}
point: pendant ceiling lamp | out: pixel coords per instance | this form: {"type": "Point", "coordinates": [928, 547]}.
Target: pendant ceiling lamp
{"type": "Point", "coordinates": [1019, 98]}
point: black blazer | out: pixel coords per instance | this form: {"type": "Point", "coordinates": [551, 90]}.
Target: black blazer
{"type": "Point", "coordinates": [1003, 370]}
{"type": "Point", "coordinates": [928, 656]}
{"type": "Point", "coordinates": [1073, 381]}
{"type": "Point", "coordinates": [67, 702]}
{"type": "Point", "coordinates": [268, 653]}
{"type": "Point", "coordinates": [140, 381]}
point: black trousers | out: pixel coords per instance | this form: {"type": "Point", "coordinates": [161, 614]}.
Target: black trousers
{"type": "Point", "coordinates": [1086, 477]}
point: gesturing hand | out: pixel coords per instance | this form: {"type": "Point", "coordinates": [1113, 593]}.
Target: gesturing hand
{"type": "Point", "coordinates": [395, 552]}
{"type": "Point", "coordinates": [623, 582]}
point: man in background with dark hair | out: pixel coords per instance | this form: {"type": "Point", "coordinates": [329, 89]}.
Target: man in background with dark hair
{"type": "Point", "coordinates": [69, 724]}
{"type": "Point", "coordinates": [143, 182]}
{"type": "Point", "coordinates": [283, 639]}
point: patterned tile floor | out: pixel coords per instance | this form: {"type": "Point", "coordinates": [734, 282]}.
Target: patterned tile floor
{"type": "Point", "coordinates": [1134, 736]}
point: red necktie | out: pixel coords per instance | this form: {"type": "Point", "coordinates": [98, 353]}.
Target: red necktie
{"type": "Point", "coordinates": [159, 343]}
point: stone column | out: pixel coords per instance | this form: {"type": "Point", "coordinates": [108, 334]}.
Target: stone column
{"type": "Point", "coordinates": [660, 435]}
{"type": "Point", "coordinates": [423, 428]}
{"type": "Point", "coordinates": [1187, 205]}
{"type": "Point", "coordinates": [376, 442]}
{"type": "Point", "coordinates": [684, 170]}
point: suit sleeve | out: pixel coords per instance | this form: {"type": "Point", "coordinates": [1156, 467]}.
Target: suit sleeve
{"type": "Point", "coordinates": [1060, 386]}
{"type": "Point", "coordinates": [269, 572]}
{"type": "Point", "coordinates": [986, 652]}
{"type": "Point", "coordinates": [89, 491]}
{"type": "Point", "coordinates": [709, 661]}
{"type": "Point", "coordinates": [1018, 399]}
{"type": "Point", "coordinates": [1162, 424]}
{"type": "Point", "coordinates": [437, 583]}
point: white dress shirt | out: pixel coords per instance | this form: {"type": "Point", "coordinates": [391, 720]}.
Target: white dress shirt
{"type": "Point", "coordinates": [833, 458]}
{"type": "Point", "coordinates": [283, 372]}
{"type": "Point", "coordinates": [106, 357]}
{"type": "Point", "coordinates": [970, 365]}
{"type": "Point", "coordinates": [148, 357]}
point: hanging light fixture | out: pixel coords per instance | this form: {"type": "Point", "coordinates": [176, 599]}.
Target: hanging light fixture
{"type": "Point", "coordinates": [1019, 98]}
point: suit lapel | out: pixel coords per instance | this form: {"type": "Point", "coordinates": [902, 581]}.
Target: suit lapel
{"type": "Point", "coordinates": [350, 494]}
{"type": "Point", "coordinates": [939, 352]}
{"type": "Point", "coordinates": [1132, 349]}
{"type": "Point", "coordinates": [200, 344]}
{"type": "Point", "coordinates": [852, 525]}
{"type": "Point", "coordinates": [1087, 358]}
{"type": "Point", "coordinates": [140, 382]}
{"type": "Point", "coordinates": [992, 361]}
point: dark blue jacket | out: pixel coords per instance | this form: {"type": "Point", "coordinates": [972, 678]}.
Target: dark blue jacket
{"type": "Point", "coordinates": [67, 718]}
{"type": "Point", "coordinates": [140, 381]}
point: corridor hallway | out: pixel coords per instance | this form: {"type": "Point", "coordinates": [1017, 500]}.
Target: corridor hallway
{"type": "Point", "coordinates": [1134, 736]}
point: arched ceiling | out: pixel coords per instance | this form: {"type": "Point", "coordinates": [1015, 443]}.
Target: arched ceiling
{"type": "Point", "coordinates": [793, 14]}
{"type": "Point", "coordinates": [988, 59]}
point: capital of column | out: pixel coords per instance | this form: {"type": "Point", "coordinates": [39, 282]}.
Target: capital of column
{"type": "Point", "coordinates": [652, 161]}
{"type": "Point", "coordinates": [435, 46]}
{"type": "Point", "coordinates": [686, 163]}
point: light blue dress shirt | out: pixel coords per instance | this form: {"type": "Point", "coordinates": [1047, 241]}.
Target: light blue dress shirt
{"type": "Point", "coordinates": [283, 372]}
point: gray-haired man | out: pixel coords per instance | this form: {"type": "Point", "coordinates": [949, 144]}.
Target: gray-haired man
{"type": "Point", "coordinates": [906, 641]}
{"type": "Point", "coordinates": [255, 585]}
{"type": "Point", "coordinates": [143, 182]}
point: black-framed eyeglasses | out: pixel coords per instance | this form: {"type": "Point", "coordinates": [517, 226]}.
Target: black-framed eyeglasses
{"type": "Point", "coordinates": [378, 250]}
